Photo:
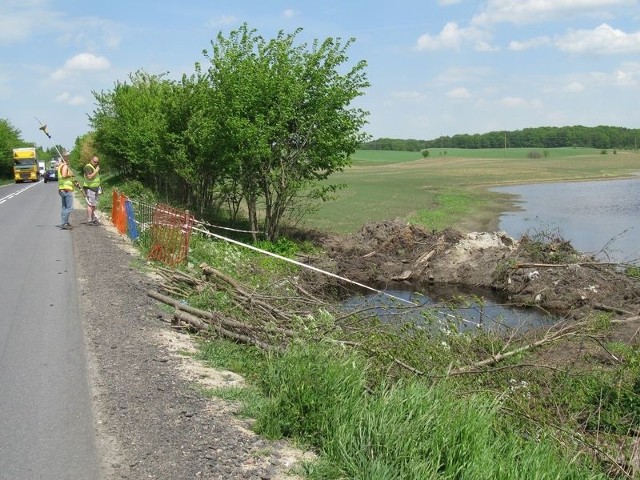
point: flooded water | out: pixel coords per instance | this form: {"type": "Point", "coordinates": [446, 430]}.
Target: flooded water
{"type": "Point", "coordinates": [453, 308]}
{"type": "Point", "coordinates": [600, 217]}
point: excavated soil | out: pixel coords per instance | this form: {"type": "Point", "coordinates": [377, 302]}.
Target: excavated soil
{"type": "Point", "coordinates": [393, 253]}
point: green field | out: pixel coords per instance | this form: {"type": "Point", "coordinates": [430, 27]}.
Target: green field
{"type": "Point", "coordinates": [511, 152]}
{"type": "Point", "coordinates": [452, 190]}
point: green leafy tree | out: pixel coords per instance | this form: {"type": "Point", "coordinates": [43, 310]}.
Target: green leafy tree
{"type": "Point", "coordinates": [155, 131]}
{"type": "Point", "coordinates": [10, 138]}
{"type": "Point", "coordinates": [264, 123]}
{"type": "Point", "coordinates": [285, 120]}
{"type": "Point", "coordinates": [130, 128]}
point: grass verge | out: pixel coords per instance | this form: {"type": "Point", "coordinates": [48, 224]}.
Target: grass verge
{"type": "Point", "coordinates": [318, 396]}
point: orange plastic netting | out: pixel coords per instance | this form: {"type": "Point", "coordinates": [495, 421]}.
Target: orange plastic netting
{"type": "Point", "coordinates": [118, 212]}
{"type": "Point", "coordinates": [170, 234]}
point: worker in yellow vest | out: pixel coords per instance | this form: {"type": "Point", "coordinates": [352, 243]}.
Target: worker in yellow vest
{"type": "Point", "coordinates": [66, 180]}
{"type": "Point", "coordinates": [92, 189]}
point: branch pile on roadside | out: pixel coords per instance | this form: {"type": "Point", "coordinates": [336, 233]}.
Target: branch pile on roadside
{"type": "Point", "coordinates": [271, 321]}
{"type": "Point", "coordinates": [267, 321]}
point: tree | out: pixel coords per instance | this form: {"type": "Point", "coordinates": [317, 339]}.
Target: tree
{"type": "Point", "coordinates": [284, 116]}
{"type": "Point", "coordinates": [266, 122]}
{"type": "Point", "coordinates": [129, 126]}
{"type": "Point", "coordinates": [10, 138]}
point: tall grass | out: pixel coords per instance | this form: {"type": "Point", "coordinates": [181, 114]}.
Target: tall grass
{"type": "Point", "coordinates": [318, 396]}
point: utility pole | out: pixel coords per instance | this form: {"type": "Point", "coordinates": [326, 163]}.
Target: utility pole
{"type": "Point", "coordinates": [505, 144]}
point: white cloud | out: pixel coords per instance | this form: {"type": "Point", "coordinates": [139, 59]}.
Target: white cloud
{"type": "Point", "coordinates": [627, 75]}
{"type": "Point", "coordinates": [88, 33]}
{"type": "Point", "coordinates": [221, 21]}
{"type": "Point", "coordinates": [575, 87]}
{"type": "Point", "coordinates": [459, 92]}
{"type": "Point", "coordinates": [519, 102]}
{"type": "Point", "coordinates": [81, 62]}
{"type": "Point", "coordinates": [289, 13]}
{"type": "Point", "coordinates": [69, 99]}
{"type": "Point", "coordinates": [26, 19]}
{"type": "Point", "coordinates": [532, 11]}
{"type": "Point", "coordinates": [87, 61]}
{"type": "Point", "coordinates": [528, 44]}
{"type": "Point", "coordinates": [21, 21]}
{"type": "Point", "coordinates": [445, 3]}
{"type": "Point", "coordinates": [602, 40]}
{"type": "Point", "coordinates": [409, 96]}
{"type": "Point", "coordinates": [451, 37]}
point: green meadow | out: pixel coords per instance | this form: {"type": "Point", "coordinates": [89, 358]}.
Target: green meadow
{"type": "Point", "coordinates": [451, 187]}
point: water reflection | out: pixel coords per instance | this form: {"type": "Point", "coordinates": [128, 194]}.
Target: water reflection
{"type": "Point", "coordinates": [451, 307]}
{"type": "Point", "coordinates": [600, 217]}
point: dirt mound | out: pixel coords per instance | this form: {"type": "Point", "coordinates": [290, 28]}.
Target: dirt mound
{"type": "Point", "coordinates": [550, 275]}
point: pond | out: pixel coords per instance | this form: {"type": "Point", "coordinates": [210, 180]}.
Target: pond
{"type": "Point", "coordinates": [452, 307]}
{"type": "Point", "coordinates": [599, 217]}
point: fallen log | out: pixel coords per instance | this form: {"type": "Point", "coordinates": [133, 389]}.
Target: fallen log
{"type": "Point", "coordinates": [217, 318]}
{"type": "Point", "coordinates": [403, 276]}
{"type": "Point", "coordinates": [245, 339]}
{"type": "Point", "coordinates": [544, 265]}
{"type": "Point", "coordinates": [177, 276]}
{"type": "Point", "coordinates": [308, 295]}
{"type": "Point", "coordinates": [562, 265]}
{"type": "Point", "coordinates": [424, 258]}
{"type": "Point", "coordinates": [240, 290]}
{"type": "Point", "coordinates": [498, 357]}
{"type": "Point", "coordinates": [163, 298]}
{"type": "Point", "coordinates": [191, 320]}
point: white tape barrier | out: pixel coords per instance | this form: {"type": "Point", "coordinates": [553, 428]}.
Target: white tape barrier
{"type": "Point", "coordinates": [300, 264]}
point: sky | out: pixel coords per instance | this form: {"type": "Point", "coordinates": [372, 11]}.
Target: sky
{"type": "Point", "coordinates": [436, 67]}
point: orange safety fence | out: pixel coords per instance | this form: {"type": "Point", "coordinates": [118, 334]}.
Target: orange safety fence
{"type": "Point", "coordinates": [170, 234]}
{"type": "Point", "coordinates": [119, 212]}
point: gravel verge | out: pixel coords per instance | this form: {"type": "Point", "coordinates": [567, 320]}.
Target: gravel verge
{"type": "Point", "coordinates": [152, 419]}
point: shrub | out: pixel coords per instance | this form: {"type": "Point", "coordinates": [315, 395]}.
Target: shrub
{"type": "Point", "coordinates": [633, 272]}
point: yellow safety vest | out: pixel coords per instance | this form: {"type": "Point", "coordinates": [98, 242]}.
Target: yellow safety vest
{"type": "Point", "coordinates": [95, 182]}
{"type": "Point", "coordinates": [65, 183]}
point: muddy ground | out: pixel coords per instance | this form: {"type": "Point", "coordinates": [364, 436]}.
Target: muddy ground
{"type": "Point", "coordinates": [550, 275]}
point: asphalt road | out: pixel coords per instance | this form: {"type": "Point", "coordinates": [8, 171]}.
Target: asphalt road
{"type": "Point", "coordinates": [47, 426]}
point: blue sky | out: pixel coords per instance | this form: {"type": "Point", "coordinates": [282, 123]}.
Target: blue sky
{"type": "Point", "coordinates": [439, 67]}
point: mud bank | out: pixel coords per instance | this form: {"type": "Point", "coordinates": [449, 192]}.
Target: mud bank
{"type": "Point", "coordinates": [552, 276]}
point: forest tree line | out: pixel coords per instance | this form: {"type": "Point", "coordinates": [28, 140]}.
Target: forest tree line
{"type": "Point", "coordinates": [601, 137]}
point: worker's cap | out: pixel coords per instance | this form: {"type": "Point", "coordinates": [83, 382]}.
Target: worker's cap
{"type": "Point", "coordinates": [65, 154]}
